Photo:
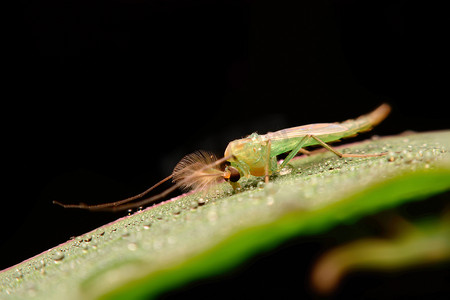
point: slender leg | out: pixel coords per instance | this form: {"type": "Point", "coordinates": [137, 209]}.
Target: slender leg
{"type": "Point", "coordinates": [305, 152]}
{"type": "Point", "coordinates": [294, 151]}
{"type": "Point", "coordinates": [267, 166]}
{"type": "Point", "coordinates": [329, 148]}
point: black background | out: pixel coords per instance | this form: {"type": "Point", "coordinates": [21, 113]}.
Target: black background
{"type": "Point", "coordinates": [106, 96]}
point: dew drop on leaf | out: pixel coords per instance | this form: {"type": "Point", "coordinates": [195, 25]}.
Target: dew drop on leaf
{"type": "Point", "coordinates": [201, 201]}
{"type": "Point", "coordinates": [58, 256]}
{"type": "Point", "coordinates": [132, 246]}
{"type": "Point", "coordinates": [261, 185]}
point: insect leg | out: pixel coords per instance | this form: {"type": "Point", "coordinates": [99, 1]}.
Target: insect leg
{"type": "Point", "coordinates": [267, 166]}
{"type": "Point", "coordinates": [329, 148]}
{"type": "Point", "coordinates": [294, 151]}
{"type": "Point", "coordinates": [304, 151]}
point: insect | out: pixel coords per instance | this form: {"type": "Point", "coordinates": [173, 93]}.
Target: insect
{"type": "Point", "coordinates": [254, 155]}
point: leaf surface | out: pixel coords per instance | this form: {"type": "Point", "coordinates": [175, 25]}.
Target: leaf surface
{"type": "Point", "coordinates": [196, 235]}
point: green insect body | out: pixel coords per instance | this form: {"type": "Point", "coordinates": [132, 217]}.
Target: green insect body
{"type": "Point", "coordinates": [256, 154]}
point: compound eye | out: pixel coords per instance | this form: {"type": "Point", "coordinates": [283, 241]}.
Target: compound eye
{"type": "Point", "coordinates": [234, 174]}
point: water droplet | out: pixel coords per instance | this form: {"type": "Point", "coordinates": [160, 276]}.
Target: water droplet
{"type": "Point", "coordinates": [286, 170]}
{"type": "Point", "coordinates": [40, 264]}
{"type": "Point", "coordinates": [261, 185]}
{"type": "Point", "coordinates": [84, 247]}
{"type": "Point", "coordinates": [147, 225]}
{"type": "Point", "coordinates": [132, 246]}
{"type": "Point", "coordinates": [58, 256]}
{"type": "Point", "coordinates": [201, 201]}
{"type": "Point", "coordinates": [193, 204]}
{"type": "Point", "coordinates": [176, 210]}
{"type": "Point", "coordinates": [125, 232]}
{"type": "Point", "coordinates": [409, 157]}
{"type": "Point", "coordinates": [18, 275]}
{"type": "Point", "coordinates": [130, 211]}
{"type": "Point", "coordinates": [428, 155]}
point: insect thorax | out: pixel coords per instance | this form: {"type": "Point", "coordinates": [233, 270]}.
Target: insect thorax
{"type": "Point", "coordinates": [250, 155]}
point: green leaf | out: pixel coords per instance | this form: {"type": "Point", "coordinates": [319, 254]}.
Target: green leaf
{"type": "Point", "coordinates": [199, 235]}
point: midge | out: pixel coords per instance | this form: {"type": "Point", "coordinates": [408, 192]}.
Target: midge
{"type": "Point", "coordinates": [254, 155]}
